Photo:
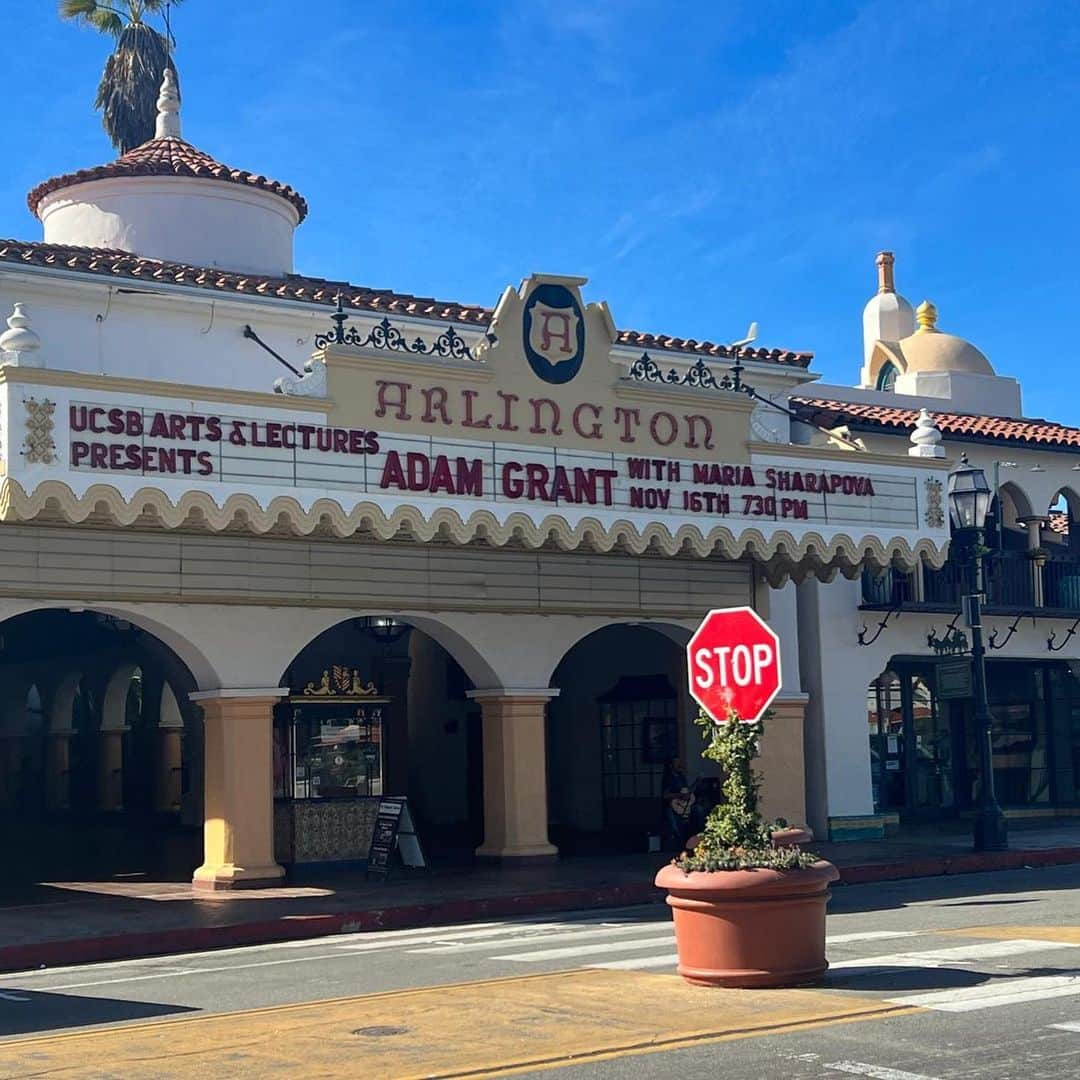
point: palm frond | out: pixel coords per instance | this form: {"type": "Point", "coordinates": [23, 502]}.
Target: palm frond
{"type": "Point", "coordinates": [128, 91]}
{"type": "Point", "coordinates": [101, 17]}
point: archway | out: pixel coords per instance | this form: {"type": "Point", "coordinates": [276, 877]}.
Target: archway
{"type": "Point", "coordinates": [623, 713]}
{"type": "Point", "coordinates": [96, 779]}
{"type": "Point", "coordinates": [377, 707]}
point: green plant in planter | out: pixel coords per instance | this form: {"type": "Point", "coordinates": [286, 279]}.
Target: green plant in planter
{"type": "Point", "coordinates": [736, 837]}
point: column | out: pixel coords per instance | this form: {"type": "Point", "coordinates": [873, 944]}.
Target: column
{"type": "Point", "coordinates": [58, 769]}
{"type": "Point", "coordinates": [1034, 542]}
{"type": "Point", "coordinates": [394, 683]}
{"type": "Point", "coordinates": [110, 777]}
{"type": "Point", "coordinates": [238, 829]}
{"type": "Point", "coordinates": [515, 773]}
{"type": "Point", "coordinates": [168, 753]}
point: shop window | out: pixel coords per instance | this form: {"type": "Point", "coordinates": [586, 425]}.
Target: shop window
{"type": "Point", "coordinates": [329, 739]}
{"type": "Point", "coordinates": [886, 729]}
{"type": "Point", "coordinates": [639, 733]}
{"type": "Point", "coordinates": [1019, 735]}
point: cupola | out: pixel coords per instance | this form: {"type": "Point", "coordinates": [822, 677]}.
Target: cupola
{"type": "Point", "coordinates": [169, 200]}
{"type": "Point", "coordinates": [887, 315]}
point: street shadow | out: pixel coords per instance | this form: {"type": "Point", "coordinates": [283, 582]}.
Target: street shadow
{"type": "Point", "coordinates": [884, 895]}
{"type": "Point", "coordinates": [903, 979]}
{"type": "Point", "coordinates": [993, 903]}
{"type": "Point", "coordinates": [23, 1012]}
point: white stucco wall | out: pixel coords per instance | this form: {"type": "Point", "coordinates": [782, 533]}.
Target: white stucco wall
{"type": "Point", "coordinates": [177, 219]}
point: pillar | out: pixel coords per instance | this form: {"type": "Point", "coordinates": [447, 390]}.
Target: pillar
{"type": "Point", "coordinates": [515, 773]}
{"type": "Point", "coordinates": [58, 769]}
{"type": "Point", "coordinates": [1034, 542]}
{"type": "Point", "coordinates": [238, 828]}
{"type": "Point", "coordinates": [168, 755]}
{"type": "Point", "coordinates": [394, 683]}
{"type": "Point", "coordinates": [781, 762]}
{"type": "Point", "coordinates": [110, 775]}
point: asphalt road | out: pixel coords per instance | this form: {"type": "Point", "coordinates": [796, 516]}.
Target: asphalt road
{"type": "Point", "coordinates": [941, 978]}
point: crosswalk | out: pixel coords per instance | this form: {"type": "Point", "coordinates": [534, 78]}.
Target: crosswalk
{"type": "Point", "coordinates": [950, 974]}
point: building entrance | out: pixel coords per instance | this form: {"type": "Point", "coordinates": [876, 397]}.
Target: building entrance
{"type": "Point", "coordinates": [923, 742]}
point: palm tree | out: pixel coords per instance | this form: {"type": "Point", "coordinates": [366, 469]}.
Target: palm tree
{"type": "Point", "coordinates": [127, 93]}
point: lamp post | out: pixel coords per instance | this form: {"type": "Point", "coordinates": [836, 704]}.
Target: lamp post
{"type": "Point", "coordinates": [969, 502]}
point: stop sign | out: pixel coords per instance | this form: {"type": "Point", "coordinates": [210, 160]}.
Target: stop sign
{"type": "Point", "coordinates": [734, 662]}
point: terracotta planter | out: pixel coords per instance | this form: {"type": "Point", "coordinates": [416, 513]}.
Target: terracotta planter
{"type": "Point", "coordinates": [793, 836]}
{"type": "Point", "coordinates": [750, 928]}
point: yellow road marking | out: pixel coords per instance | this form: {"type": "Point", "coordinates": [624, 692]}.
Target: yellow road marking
{"type": "Point", "coordinates": [1064, 935]}
{"type": "Point", "coordinates": [495, 1027]}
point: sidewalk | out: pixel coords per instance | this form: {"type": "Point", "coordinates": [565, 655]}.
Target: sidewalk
{"type": "Point", "coordinates": [78, 922]}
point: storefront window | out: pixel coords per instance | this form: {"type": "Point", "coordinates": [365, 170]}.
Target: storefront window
{"type": "Point", "coordinates": [886, 722]}
{"type": "Point", "coordinates": [1019, 730]}
{"type": "Point", "coordinates": [329, 751]}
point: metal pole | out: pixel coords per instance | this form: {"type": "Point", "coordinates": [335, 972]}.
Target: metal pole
{"type": "Point", "coordinates": [991, 830]}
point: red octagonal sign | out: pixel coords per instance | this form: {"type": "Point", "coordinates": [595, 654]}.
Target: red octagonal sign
{"type": "Point", "coordinates": [734, 662]}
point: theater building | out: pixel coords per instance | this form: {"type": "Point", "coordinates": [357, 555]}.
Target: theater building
{"type": "Point", "coordinates": [887, 670]}
{"type": "Point", "coordinates": [272, 546]}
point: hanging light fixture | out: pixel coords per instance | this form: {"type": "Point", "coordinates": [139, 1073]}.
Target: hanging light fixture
{"type": "Point", "coordinates": [385, 629]}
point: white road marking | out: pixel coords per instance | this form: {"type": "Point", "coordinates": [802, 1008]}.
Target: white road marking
{"type": "Point", "coordinates": [1070, 1026]}
{"type": "Point", "coordinates": [13, 997]}
{"type": "Point", "coordinates": [639, 963]}
{"type": "Point", "coordinates": [959, 954]}
{"type": "Point", "coordinates": [872, 935]}
{"type": "Point", "coordinates": [663, 929]}
{"type": "Point", "coordinates": [589, 950]}
{"type": "Point", "coordinates": [875, 1072]}
{"type": "Point", "coordinates": [994, 994]}
{"type": "Point", "coordinates": [190, 971]}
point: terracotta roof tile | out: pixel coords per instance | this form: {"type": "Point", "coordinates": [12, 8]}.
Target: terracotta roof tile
{"type": "Point", "coordinates": [1059, 522]}
{"type": "Point", "coordinates": [866, 417]}
{"type": "Point", "coordinates": [166, 157]}
{"type": "Point", "coordinates": [313, 290]}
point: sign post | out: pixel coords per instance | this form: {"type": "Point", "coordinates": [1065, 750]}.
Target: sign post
{"type": "Point", "coordinates": [734, 664]}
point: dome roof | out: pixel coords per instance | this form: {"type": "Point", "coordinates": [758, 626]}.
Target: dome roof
{"type": "Point", "coordinates": [930, 350]}
{"type": "Point", "coordinates": [169, 156]}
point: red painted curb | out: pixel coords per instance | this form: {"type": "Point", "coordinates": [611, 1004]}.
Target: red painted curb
{"type": "Point", "coordinates": [408, 916]}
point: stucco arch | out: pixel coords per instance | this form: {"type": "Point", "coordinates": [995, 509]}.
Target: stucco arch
{"type": "Point", "coordinates": [1015, 505]}
{"type": "Point", "coordinates": [114, 701]}
{"type": "Point", "coordinates": [675, 632]}
{"type": "Point", "coordinates": [1071, 499]}
{"type": "Point", "coordinates": [63, 701]}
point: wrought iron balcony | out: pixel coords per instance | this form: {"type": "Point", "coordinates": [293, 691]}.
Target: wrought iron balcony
{"type": "Point", "coordinates": [1015, 582]}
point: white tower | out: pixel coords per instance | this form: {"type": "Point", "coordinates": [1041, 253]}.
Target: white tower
{"type": "Point", "coordinates": [886, 317]}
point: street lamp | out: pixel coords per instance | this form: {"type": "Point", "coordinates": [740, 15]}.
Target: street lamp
{"type": "Point", "coordinates": [969, 501]}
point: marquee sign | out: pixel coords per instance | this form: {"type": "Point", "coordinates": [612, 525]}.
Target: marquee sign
{"type": "Point", "coordinates": [536, 430]}
{"type": "Point", "coordinates": [104, 438]}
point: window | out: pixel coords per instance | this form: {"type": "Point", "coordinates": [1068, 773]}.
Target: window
{"type": "Point", "coordinates": [329, 752]}
{"type": "Point", "coordinates": [886, 379]}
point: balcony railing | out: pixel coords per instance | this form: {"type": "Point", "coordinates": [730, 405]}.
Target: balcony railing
{"type": "Point", "coordinates": [1012, 580]}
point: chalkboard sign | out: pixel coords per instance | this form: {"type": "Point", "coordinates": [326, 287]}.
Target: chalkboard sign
{"type": "Point", "coordinates": [394, 830]}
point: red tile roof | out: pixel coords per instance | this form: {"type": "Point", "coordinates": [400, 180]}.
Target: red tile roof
{"type": "Point", "coordinates": [312, 290]}
{"type": "Point", "coordinates": [866, 417]}
{"type": "Point", "coordinates": [167, 157]}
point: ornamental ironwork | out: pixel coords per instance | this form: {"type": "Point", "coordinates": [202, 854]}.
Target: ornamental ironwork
{"type": "Point", "coordinates": [384, 335]}
{"type": "Point", "coordinates": [697, 376]}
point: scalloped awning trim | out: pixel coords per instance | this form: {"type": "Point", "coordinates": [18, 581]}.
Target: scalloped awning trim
{"type": "Point", "coordinates": [781, 553]}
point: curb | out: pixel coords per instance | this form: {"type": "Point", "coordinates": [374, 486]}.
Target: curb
{"type": "Point", "coordinates": [409, 916]}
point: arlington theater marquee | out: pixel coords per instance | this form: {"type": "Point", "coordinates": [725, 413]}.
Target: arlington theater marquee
{"type": "Point", "coordinates": [537, 430]}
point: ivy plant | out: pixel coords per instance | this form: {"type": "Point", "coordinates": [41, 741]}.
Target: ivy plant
{"type": "Point", "coordinates": [736, 836]}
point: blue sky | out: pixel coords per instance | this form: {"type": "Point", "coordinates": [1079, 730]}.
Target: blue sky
{"type": "Point", "coordinates": [704, 164]}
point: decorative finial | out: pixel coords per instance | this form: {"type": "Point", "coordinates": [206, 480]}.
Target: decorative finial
{"type": "Point", "coordinates": [926, 438]}
{"type": "Point", "coordinates": [885, 282]}
{"type": "Point", "coordinates": [19, 343]}
{"type": "Point", "coordinates": [168, 106]}
{"type": "Point", "coordinates": [926, 317]}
